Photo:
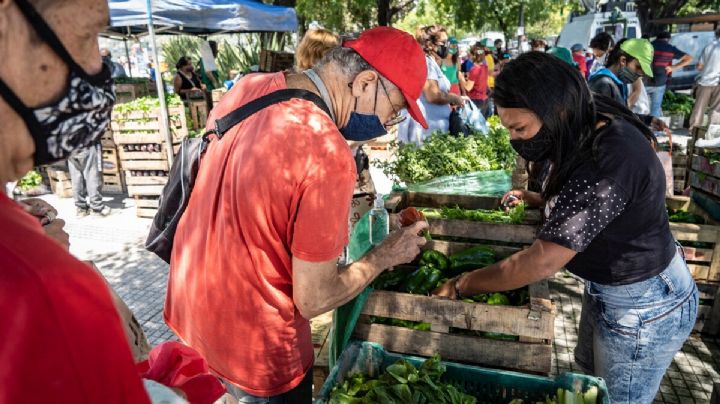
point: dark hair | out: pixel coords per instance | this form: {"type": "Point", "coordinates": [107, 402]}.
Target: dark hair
{"type": "Point", "coordinates": [616, 53]}
{"type": "Point", "coordinates": [664, 35]}
{"type": "Point", "coordinates": [182, 62]}
{"type": "Point", "coordinates": [558, 94]}
{"type": "Point", "coordinates": [602, 41]}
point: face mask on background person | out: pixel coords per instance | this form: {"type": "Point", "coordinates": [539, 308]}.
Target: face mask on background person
{"type": "Point", "coordinates": [78, 117]}
{"type": "Point", "coordinates": [441, 51]}
{"type": "Point", "coordinates": [627, 75]}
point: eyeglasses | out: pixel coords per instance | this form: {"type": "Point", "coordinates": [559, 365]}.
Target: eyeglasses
{"type": "Point", "coordinates": [398, 116]}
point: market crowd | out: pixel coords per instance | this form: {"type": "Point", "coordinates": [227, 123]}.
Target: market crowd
{"type": "Point", "coordinates": [256, 251]}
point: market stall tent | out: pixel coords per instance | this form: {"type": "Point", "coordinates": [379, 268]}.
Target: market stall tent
{"type": "Point", "coordinates": [131, 18]}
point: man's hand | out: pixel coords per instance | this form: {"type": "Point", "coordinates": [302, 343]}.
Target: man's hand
{"type": "Point", "coordinates": [55, 230]}
{"type": "Point", "coordinates": [659, 124]}
{"type": "Point", "coordinates": [401, 246]}
{"type": "Point", "coordinates": [42, 210]}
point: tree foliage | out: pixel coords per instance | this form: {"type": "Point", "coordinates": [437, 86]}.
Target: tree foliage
{"type": "Point", "coordinates": [649, 10]}
{"type": "Point", "coordinates": [353, 15]}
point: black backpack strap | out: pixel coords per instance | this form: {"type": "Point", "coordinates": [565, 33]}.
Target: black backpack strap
{"type": "Point", "coordinates": [224, 124]}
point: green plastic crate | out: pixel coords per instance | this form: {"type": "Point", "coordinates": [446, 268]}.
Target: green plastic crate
{"type": "Point", "coordinates": [488, 385]}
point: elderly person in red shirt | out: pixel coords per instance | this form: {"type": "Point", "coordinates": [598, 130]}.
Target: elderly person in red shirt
{"type": "Point", "coordinates": [256, 252]}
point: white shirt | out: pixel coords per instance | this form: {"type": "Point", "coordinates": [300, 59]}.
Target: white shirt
{"type": "Point", "coordinates": [710, 59]}
{"type": "Point", "coordinates": [437, 116]}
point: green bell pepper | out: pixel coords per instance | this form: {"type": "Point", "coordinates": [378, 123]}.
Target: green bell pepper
{"type": "Point", "coordinates": [498, 298]}
{"type": "Point", "coordinates": [432, 280]}
{"type": "Point", "coordinates": [416, 280]}
{"type": "Point", "coordinates": [434, 259]}
{"type": "Point", "coordinates": [389, 280]}
{"type": "Point", "coordinates": [471, 259]}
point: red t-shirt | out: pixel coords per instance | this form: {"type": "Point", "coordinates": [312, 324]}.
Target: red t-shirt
{"type": "Point", "coordinates": [276, 186]}
{"type": "Point", "coordinates": [62, 340]}
{"type": "Point", "coordinates": [582, 63]}
{"type": "Point", "coordinates": [479, 74]}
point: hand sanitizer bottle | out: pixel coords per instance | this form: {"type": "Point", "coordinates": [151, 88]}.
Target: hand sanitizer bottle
{"type": "Point", "coordinates": [379, 222]}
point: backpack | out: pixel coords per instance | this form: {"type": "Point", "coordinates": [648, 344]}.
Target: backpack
{"type": "Point", "coordinates": [176, 194]}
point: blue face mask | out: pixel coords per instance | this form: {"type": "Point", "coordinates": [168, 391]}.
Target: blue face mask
{"type": "Point", "coordinates": [363, 127]}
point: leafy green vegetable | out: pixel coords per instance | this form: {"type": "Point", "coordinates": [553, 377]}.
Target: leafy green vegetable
{"type": "Point", "coordinates": [130, 80]}
{"type": "Point", "coordinates": [30, 181]}
{"type": "Point", "coordinates": [683, 216]}
{"type": "Point", "coordinates": [146, 104]}
{"type": "Point", "coordinates": [516, 214]}
{"type": "Point", "coordinates": [401, 383]}
{"type": "Point", "coordinates": [677, 103]}
{"type": "Point", "coordinates": [443, 154]}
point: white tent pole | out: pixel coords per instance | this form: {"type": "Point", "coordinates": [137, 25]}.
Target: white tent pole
{"type": "Point", "coordinates": [165, 124]}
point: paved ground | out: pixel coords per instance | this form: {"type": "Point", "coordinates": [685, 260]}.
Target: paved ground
{"type": "Point", "coordinates": [115, 244]}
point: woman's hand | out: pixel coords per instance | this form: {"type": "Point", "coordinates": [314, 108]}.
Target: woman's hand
{"type": "Point", "coordinates": [455, 100]}
{"type": "Point", "coordinates": [514, 197]}
{"type": "Point", "coordinates": [660, 125]}
{"type": "Point", "coordinates": [447, 289]}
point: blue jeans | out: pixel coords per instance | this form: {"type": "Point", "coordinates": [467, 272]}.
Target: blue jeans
{"type": "Point", "coordinates": [299, 395]}
{"type": "Point", "coordinates": [629, 334]}
{"type": "Point", "coordinates": [656, 95]}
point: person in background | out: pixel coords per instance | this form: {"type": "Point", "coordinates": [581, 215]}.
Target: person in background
{"type": "Point", "coordinates": [278, 216]}
{"type": "Point", "coordinates": [116, 69]}
{"type": "Point", "coordinates": [601, 45]}
{"type": "Point", "coordinates": [479, 76]}
{"type": "Point", "coordinates": [539, 45]}
{"type": "Point", "coordinates": [313, 46]}
{"type": "Point", "coordinates": [436, 99]}
{"type": "Point", "coordinates": [150, 71]}
{"type": "Point", "coordinates": [63, 339]}
{"type": "Point", "coordinates": [187, 83]}
{"type": "Point", "coordinates": [630, 60]}
{"type": "Point", "coordinates": [563, 54]}
{"type": "Point", "coordinates": [662, 68]}
{"type": "Point", "coordinates": [210, 78]}
{"type": "Point", "coordinates": [605, 221]}
{"type": "Point", "coordinates": [578, 55]}
{"type": "Point", "coordinates": [707, 92]}
{"type": "Point", "coordinates": [499, 51]}
{"type": "Point", "coordinates": [490, 62]}
{"type": "Point", "coordinates": [523, 44]}
{"type": "Point", "coordinates": [451, 68]}
{"type": "Point", "coordinates": [233, 77]}
{"type": "Point", "coordinates": [85, 167]}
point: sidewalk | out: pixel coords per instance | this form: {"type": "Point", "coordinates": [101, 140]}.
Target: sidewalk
{"type": "Point", "coordinates": [115, 244]}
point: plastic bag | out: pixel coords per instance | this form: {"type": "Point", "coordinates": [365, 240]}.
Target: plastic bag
{"type": "Point", "coordinates": [473, 117]}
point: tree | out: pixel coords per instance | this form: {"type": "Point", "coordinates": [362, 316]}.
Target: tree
{"type": "Point", "coordinates": [649, 10]}
{"type": "Point", "coordinates": [352, 15]}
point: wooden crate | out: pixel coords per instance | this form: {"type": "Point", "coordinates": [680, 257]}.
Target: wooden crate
{"type": "Point", "coordinates": [198, 113]}
{"type": "Point", "coordinates": [110, 160]}
{"type": "Point", "coordinates": [107, 139]}
{"type": "Point", "coordinates": [140, 127]}
{"type": "Point", "coordinates": [704, 263]}
{"type": "Point", "coordinates": [217, 94]}
{"type": "Point", "coordinates": [533, 324]}
{"type": "Point", "coordinates": [145, 206]}
{"type": "Point", "coordinates": [708, 320]}
{"type": "Point", "coordinates": [60, 182]}
{"type": "Point", "coordinates": [113, 183]}
{"type": "Point", "coordinates": [130, 91]}
{"type": "Point", "coordinates": [679, 163]}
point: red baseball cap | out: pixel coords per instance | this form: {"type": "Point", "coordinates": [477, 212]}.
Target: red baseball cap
{"type": "Point", "coordinates": [397, 57]}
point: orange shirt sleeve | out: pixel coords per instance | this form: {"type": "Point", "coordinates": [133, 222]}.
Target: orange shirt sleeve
{"type": "Point", "coordinates": [321, 225]}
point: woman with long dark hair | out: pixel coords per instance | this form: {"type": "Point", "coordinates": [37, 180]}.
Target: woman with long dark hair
{"type": "Point", "coordinates": [604, 202]}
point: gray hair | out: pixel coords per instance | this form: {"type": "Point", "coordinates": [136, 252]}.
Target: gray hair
{"type": "Point", "coordinates": [350, 64]}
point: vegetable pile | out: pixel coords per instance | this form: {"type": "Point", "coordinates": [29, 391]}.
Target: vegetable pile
{"type": "Point", "coordinates": [677, 103]}
{"type": "Point", "coordinates": [683, 216]}
{"type": "Point", "coordinates": [131, 80]}
{"type": "Point", "coordinates": [444, 154]}
{"type": "Point", "coordinates": [401, 383]}
{"type": "Point", "coordinates": [567, 397]}
{"type": "Point", "coordinates": [30, 181]}
{"type": "Point", "coordinates": [146, 104]}
{"type": "Point", "coordinates": [515, 215]}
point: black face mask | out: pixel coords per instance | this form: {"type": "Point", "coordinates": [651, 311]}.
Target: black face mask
{"type": "Point", "coordinates": [442, 51]}
{"type": "Point", "coordinates": [77, 118]}
{"type": "Point", "coordinates": [536, 148]}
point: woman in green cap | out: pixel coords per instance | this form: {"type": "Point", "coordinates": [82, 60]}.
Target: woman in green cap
{"type": "Point", "coordinates": [450, 67]}
{"type": "Point", "coordinates": [629, 61]}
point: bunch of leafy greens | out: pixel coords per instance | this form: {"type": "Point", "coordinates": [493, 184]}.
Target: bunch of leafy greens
{"type": "Point", "coordinates": [401, 383]}
{"type": "Point", "coordinates": [147, 104]}
{"type": "Point", "coordinates": [515, 215]}
{"type": "Point", "coordinates": [30, 181]}
{"type": "Point", "coordinates": [444, 154]}
{"type": "Point", "coordinates": [677, 103]}
{"type": "Point", "coordinates": [131, 80]}
{"type": "Point", "coordinates": [683, 216]}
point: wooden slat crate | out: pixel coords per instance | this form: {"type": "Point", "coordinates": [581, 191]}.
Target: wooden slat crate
{"type": "Point", "coordinates": [533, 324]}
{"type": "Point", "coordinates": [107, 139]}
{"type": "Point", "coordinates": [60, 182]}
{"type": "Point", "coordinates": [198, 113]}
{"type": "Point", "coordinates": [113, 183]}
{"type": "Point", "coordinates": [140, 127]}
{"type": "Point", "coordinates": [110, 160]}
{"type": "Point", "coordinates": [679, 162]}
{"type": "Point", "coordinates": [273, 61]}
{"type": "Point", "coordinates": [704, 263]}
{"type": "Point", "coordinates": [130, 91]}
{"type": "Point", "coordinates": [708, 320]}
{"type": "Point", "coordinates": [146, 206]}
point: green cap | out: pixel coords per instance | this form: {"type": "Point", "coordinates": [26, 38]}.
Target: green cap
{"type": "Point", "coordinates": [563, 54]}
{"type": "Point", "coordinates": [642, 50]}
{"type": "Point", "coordinates": [485, 44]}
{"type": "Point", "coordinates": [452, 40]}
